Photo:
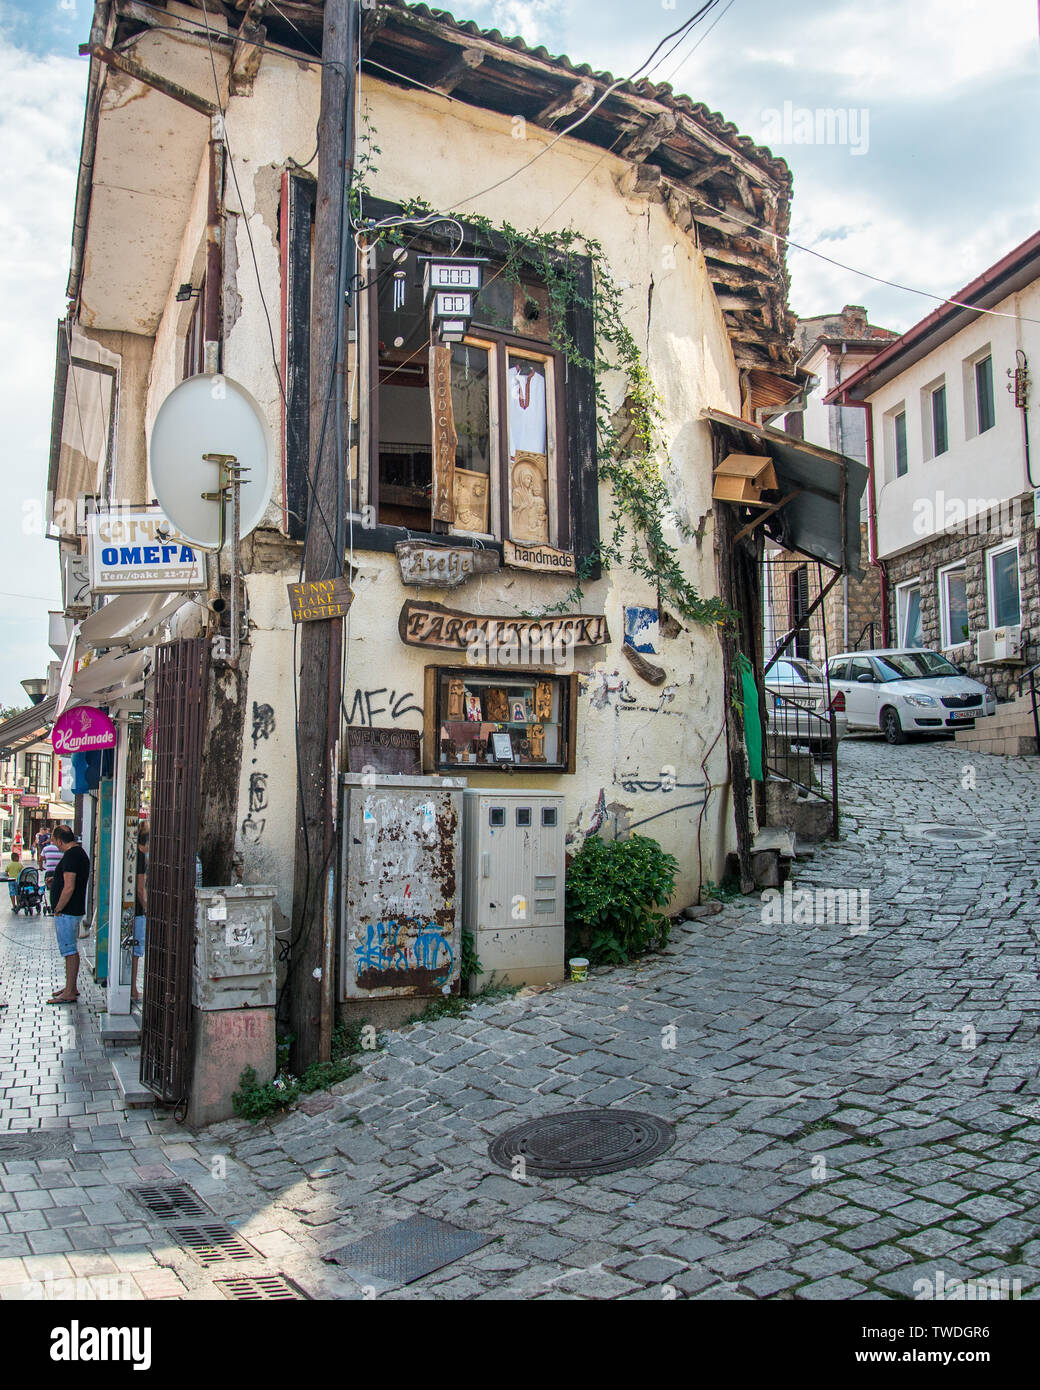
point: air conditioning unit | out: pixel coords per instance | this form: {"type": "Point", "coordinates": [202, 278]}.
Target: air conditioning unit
{"type": "Point", "coordinates": [999, 644]}
{"type": "Point", "coordinates": [23, 782]}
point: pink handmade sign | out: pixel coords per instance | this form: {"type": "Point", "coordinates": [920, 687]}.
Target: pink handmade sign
{"type": "Point", "coordinates": [82, 730]}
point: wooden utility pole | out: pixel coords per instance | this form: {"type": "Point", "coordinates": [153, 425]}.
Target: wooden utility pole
{"type": "Point", "coordinates": [310, 983]}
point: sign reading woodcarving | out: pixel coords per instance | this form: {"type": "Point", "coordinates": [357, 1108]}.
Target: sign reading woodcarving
{"type": "Point", "coordinates": [442, 566]}
{"type": "Point", "coordinates": [444, 437]}
{"type": "Point", "coordinates": [542, 558]}
{"type": "Point", "coordinates": [433, 625]}
{"type": "Point", "coordinates": [322, 598]}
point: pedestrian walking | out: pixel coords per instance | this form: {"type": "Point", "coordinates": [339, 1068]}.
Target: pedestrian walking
{"type": "Point", "coordinates": [12, 869]}
{"type": "Point", "coordinates": [43, 839]}
{"type": "Point", "coordinates": [140, 909]}
{"type": "Point", "coordinates": [69, 903]}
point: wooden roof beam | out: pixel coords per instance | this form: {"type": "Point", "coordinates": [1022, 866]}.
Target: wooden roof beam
{"type": "Point", "coordinates": [452, 72]}
{"type": "Point", "coordinates": [567, 104]}
{"type": "Point", "coordinates": [248, 52]}
{"type": "Point", "coordinates": [643, 144]}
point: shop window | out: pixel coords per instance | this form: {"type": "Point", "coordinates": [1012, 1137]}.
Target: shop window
{"type": "Point", "coordinates": [499, 719]}
{"type": "Point", "coordinates": [1005, 603]}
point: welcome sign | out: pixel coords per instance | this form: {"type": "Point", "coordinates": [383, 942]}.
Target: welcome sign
{"type": "Point", "coordinates": [83, 730]}
{"type": "Point", "coordinates": [141, 552]}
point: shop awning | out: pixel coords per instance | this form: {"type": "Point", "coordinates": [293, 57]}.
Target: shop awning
{"type": "Point", "coordinates": [119, 673]}
{"type": "Point", "coordinates": [58, 810]}
{"type": "Point", "coordinates": [820, 479]}
{"type": "Point", "coordinates": [129, 620]}
{"type": "Point", "coordinates": [29, 726]}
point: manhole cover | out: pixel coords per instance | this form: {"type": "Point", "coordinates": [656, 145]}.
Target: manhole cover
{"type": "Point", "coordinates": [406, 1251]}
{"type": "Point", "coordinates": [252, 1288]}
{"type": "Point", "coordinates": [576, 1142]}
{"type": "Point", "coordinates": [954, 835]}
{"type": "Point", "coordinates": [37, 1143]}
{"type": "Point", "coordinates": [170, 1201]}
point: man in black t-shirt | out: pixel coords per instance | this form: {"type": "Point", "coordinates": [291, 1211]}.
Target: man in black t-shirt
{"type": "Point", "coordinates": [69, 903]}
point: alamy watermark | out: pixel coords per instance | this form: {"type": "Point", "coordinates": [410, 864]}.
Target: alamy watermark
{"type": "Point", "coordinates": [824, 907]}
{"type": "Point", "coordinates": [949, 1289]}
{"type": "Point", "coordinates": [821, 125]}
{"type": "Point", "coordinates": [967, 516]}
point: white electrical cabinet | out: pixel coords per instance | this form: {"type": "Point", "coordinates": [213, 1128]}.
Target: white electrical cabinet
{"type": "Point", "coordinates": [513, 894]}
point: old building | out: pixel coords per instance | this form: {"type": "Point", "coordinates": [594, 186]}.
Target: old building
{"type": "Point", "coordinates": [524, 511]}
{"type": "Point", "coordinates": [950, 416]}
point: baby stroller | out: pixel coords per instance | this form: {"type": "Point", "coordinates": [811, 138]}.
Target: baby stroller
{"type": "Point", "coordinates": [28, 893]}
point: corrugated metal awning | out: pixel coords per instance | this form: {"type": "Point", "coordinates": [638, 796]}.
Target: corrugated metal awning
{"type": "Point", "coordinates": [29, 726]}
{"type": "Point", "coordinates": [810, 522]}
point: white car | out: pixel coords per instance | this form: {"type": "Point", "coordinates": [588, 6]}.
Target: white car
{"type": "Point", "coordinates": [794, 686]}
{"type": "Point", "coordinates": [903, 690]}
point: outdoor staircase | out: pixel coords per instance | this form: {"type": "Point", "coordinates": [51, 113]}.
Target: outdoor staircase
{"type": "Point", "coordinates": [1010, 731]}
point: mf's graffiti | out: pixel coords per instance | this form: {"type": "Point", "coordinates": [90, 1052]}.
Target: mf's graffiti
{"type": "Point", "coordinates": [258, 791]}
{"type": "Point", "coordinates": [366, 707]}
{"type": "Point", "coordinates": [398, 946]}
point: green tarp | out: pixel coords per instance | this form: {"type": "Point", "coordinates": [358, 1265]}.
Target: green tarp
{"type": "Point", "coordinates": [752, 719]}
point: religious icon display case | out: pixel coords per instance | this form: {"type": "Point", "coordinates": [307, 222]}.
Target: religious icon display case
{"type": "Point", "coordinates": [534, 710]}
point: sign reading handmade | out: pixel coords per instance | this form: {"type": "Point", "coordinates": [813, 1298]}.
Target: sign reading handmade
{"type": "Point", "coordinates": [442, 566]}
{"type": "Point", "coordinates": [432, 625]}
{"type": "Point", "coordinates": [544, 559]}
{"type": "Point", "coordinates": [444, 437]}
{"type": "Point", "coordinates": [383, 750]}
{"type": "Point", "coordinates": [141, 551]}
{"type": "Point", "coordinates": [320, 598]}
{"type": "Point", "coordinates": [83, 730]}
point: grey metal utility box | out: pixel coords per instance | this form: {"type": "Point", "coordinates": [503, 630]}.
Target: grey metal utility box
{"type": "Point", "coordinates": [515, 872]}
{"type": "Point", "coordinates": [234, 947]}
{"type": "Point", "coordinates": [401, 930]}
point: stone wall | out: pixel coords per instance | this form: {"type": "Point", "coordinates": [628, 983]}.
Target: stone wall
{"type": "Point", "coordinates": [970, 544]}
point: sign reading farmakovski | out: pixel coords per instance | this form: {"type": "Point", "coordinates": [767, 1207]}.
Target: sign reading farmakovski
{"type": "Point", "coordinates": [431, 625]}
{"type": "Point", "coordinates": [543, 559]}
{"type": "Point", "coordinates": [321, 598]}
{"type": "Point", "coordinates": [442, 566]}
{"type": "Point", "coordinates": [83, 730]}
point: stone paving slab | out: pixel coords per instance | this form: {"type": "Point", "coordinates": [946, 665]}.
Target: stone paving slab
{"type": "Point", "coordinates": [855, 1113]}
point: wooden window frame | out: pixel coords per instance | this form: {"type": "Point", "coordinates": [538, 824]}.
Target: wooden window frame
{"type": "Point", "coordinates": [578, 477]}
{"type": "Point", "coordinates": [514, 675]}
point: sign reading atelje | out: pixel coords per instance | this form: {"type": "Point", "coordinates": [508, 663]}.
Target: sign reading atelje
{"type": "Point", "coordinates": [322, 598]}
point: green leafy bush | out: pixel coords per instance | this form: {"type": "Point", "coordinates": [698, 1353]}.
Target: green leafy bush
{"type": "Point", "coordinates": [612, 891]}
{"type": "Point", "coordinates": [253, 1101]}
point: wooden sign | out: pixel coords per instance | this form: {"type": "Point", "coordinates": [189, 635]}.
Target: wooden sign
{"type": "Point", "coordinates": [322, 598]}
{"type": "Point", "coordinates": [432, 625]}
{"type": "Point", "coordinates": [442, 566]}
{"type": "Point", "coordinates": [383, 750]}
{"type": "Point", "coordinates": [444, 437]}
{"type": "Point", "coordinates": [541, 558]}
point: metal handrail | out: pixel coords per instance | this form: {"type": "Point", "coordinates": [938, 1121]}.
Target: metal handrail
{"type": "Point", "coordinates": [1030, 675]}
{"type": "Point", "coordinates": [813, 735]}
{"type": "Point", "coordinates": [871, 625]}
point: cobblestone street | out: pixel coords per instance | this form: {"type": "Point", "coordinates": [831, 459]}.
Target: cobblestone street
{"type": "Point", "coordinates": [856, 1111]}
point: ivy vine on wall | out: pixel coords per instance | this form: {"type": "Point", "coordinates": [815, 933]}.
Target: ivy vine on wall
{"type": "Point", "coordinates": [631, 454]}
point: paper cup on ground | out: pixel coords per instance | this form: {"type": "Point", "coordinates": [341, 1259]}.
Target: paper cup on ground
{"type": "Point", "coordinates": [579, 968]}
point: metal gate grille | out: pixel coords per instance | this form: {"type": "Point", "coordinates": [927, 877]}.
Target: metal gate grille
{"type": "Point", "coordinates": [180, 687]}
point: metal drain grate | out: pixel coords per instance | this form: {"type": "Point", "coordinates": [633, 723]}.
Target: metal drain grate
{"type": "Point", "coordinates": [575, 1142]}
{"type": "Point", "coordinates": [406, 1251]}
{"type": "Point", "coordinates": [170, 1201]}
{"type": "Point", "coordinates": [252, 1288]}
{"type": "Point", "coordinates": [37, 1143]}
{"type": "Point", "coordinates": [213, 1244]}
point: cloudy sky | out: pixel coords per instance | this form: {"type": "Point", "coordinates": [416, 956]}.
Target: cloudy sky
{"type": "Point", "coordinates": [938, 178]}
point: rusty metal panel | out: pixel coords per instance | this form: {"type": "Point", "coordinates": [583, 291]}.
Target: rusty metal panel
{"type": "Point", "coordinates": [234, 948]}
{"type": "Point", "coordinates": [180, 685]}
{"type": "Point", "coordinates": [402, 905]}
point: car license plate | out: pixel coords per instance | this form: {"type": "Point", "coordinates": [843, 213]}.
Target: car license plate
{"type": "Point", "coordinates": [963, 714]}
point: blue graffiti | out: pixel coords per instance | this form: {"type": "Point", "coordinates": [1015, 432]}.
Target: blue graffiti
{"type": "Point", "coordinates": [391, 946]}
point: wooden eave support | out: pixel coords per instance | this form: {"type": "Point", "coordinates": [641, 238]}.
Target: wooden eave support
{"type": "Point", "coordinates": [567, 105]}
{"type": "Point", "coordinates": [769, 511]}
{"type": "Point", "coordinates": [150, 79]}
{"type": "Point", "coordinates": [448, 77]}
{"type": "Point", "coordinates": [643, 144]}
{"type": "Point", "coordinates": [248, 52]}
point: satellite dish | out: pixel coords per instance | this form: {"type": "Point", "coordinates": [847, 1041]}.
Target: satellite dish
{"type": "Point", "coordinates": [209, 414]}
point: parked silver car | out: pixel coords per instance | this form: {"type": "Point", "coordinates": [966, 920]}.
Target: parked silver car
{"type": "Point", "coordinates": [902, 690]}
{"type": "Point", "coordinates": [793, 687]}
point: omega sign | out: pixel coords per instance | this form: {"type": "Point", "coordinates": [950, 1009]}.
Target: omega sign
{"type": "Point", "coordinates": [140, 551]}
